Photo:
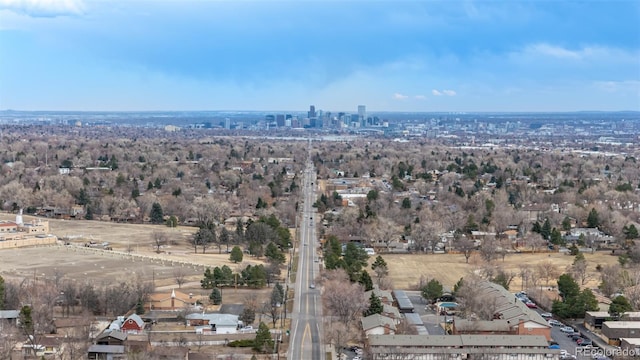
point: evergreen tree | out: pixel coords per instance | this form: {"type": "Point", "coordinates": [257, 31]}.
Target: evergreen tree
{"type": "Point", "coordinates": [26, 321]}
{"type": "Point", "coordinates": [156, 215]}
{"type": "Point", "coordinates": [619, 305]}
{"type": "Point", "coordinates": [546, 229]}
{"type": "Point", "coordinates": [593, 220]}
{"type": "Point", "coordinates": [566, 223]}
{"type": "Point", "coordinates": [568, 288]}
{"type": "Point", "coordinates": [375, 305]}
{"type": "Point", "coordinates": [88, 214]}
{"type": "Point", "coordinates": [630, 232]}
{"type": "Point", "coordinates": [216, 296]}
{"type": "Point", "coordinates": [263, 342]}
{"type": "Point", "coordinates": [239, 230]}
{"type": "Point", "coordinates": [277, 297]}
{"type": "Point", "coordinates": [139, 307]}
{"type": "Point", "coordinates": [236, 255]}
{"type": "Point", "coordinates": [365, 280]}
{"type": "Point", "coordinates": [432, 291]}
{"type": "Point", "coordinates": [273, 254]}
{"type": "Point", "coordinates": [556, 237]}
{"type": "Point", "coordinates": [208, 282]}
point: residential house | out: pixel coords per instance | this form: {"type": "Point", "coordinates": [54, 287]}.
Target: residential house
{"type": "Point", "coordinates": [133, 325]}
{"type": "Point", "coordinates": [9, 317]}
{"type": "Point", "coordinates": [391, 312]}
{"type": "Point", "coordinates": [107, 352]}
{"type": "Point", "coordinates": [427, 347]}
{"type": "Point", "coordinates": [385, 296]}
{"type": "Point", "coordinates": [592, 237]}
{"type": "Point", "coordinates": [112, 337]}
{"type": "Point", "coordinates": [218, 323]}
{"type": "Point", "coordinates": [377, 324]}
{"type": "Point", "coordinates": [42, 346]}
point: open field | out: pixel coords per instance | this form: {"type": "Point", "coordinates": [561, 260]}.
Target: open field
{"type": "Point", "coordinates": [405, 270]}
{"type": "Point", "coordinates": [132, 255]}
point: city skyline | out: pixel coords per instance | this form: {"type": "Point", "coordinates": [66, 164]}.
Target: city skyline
{"type": "Point", "coordinates": [422, 56]}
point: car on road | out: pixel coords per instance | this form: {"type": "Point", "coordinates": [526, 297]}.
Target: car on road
{"type": "Point", "coordinates": [567, 329]}
{"type": "Point", "coordinates": [312, 286]}
{"type": "Point", "coordinates": [547, 315]}
{"type": "Point", "coordinates": [554, 322]}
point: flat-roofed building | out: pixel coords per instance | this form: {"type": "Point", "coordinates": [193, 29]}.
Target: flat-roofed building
{"type": "Point", "coordinates": [613, 331]}
{"type": "Point", "coordinates": [427, 347]}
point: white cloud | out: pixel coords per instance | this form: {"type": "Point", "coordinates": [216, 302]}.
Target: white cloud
{"type": "Point", "coordinates": [44, 8]}
{"type": "Point", "coordinates": [398, 96]}
{"type": "Point", "coordinates": [420, 97]}
{"type": "Point", "coordinates": [443, 92]}
{"type": "Point", "coordinates": [554, 51]}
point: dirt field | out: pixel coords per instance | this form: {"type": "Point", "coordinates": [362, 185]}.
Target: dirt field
{"type": "Point", "coordinates": [80, 263]}
{"type": "Point", "coordinates": [405, 271]}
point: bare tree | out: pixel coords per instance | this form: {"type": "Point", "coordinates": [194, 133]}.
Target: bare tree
{"type": "Point", "coordinates": [465, 246]}
{"type": "Point", "coordinates": [339, 334]}
{"type": "Point", "coordinates": [579, 270]}
{"type": "Point", "coordinates": [343, 299]}
{"type": "Point", "coordinates": [159, 239]}
{"type": "Point", "coordinates": [525, 272]}
{"type": "Point", "coordinates": [179, 276]}
{"type": "Point", "coordinates": [547, 271]}
{"type": "Point", "coordinates": [489, 248]}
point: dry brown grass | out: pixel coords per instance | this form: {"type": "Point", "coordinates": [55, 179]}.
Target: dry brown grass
{"type": "Point", "coordinates": [406, 270]}
{"type": "Point", "coordinates": [78, 263]}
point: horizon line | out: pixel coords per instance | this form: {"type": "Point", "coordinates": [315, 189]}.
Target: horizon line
{"type": "Point", "coordinates": [336, 111]}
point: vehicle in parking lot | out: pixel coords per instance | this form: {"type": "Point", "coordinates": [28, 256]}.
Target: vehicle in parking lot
{"type": "Point", "coordinates": [554, 322]}
{"type": "Point", "coordinates": [584, 342]}
{"type": "Point", "coordinates": [547, 315]}
{"type": "Point", "coordinates": [567, 329]}
{"type": "Point", "coordinates": [576, 337]}
{"type": "Point", "coordinates": [531, 305]}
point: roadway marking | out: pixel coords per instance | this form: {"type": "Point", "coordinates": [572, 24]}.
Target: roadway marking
{"type": "Point", "coordinates": [307, 330]}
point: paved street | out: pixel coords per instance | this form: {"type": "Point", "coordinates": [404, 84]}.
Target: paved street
{"type": "Point", "coordinates": [306, 335]}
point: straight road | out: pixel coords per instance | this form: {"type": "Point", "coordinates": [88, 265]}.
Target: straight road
{"type": "Point", "coordinates": [306, 339]}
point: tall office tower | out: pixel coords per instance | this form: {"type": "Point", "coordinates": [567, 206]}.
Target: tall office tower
{"type": "Point", "coordinates": [312, 111]}
{"type": "Point", "coordinates": [227, 123]}
{"type": "Point", "coordinates": [280, 120]}
{"type": "Point", "coordinates": [362, 112]}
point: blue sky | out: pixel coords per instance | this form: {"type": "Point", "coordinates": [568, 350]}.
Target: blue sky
{"type": "Point", "coordinates": [451, 55]}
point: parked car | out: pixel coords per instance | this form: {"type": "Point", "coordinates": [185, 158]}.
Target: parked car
{"type": "Point", "coordinates": [567, 329]}
{"type": "Point", "coordinates": [584, 342]}
{"type": "Point", "coordinates": [312, 286]}
{"type": "Point", "coordinates": [531, 305]}
{"type": "Point", "coordinates": [554, 322]}
{"type": "Point", "coordinates": [547, 315]}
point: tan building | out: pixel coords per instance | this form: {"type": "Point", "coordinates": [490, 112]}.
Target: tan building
{"type": "Point", "coordinates": [427, 347]}
{"type": "Point", "coordinates": [175, 300]}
